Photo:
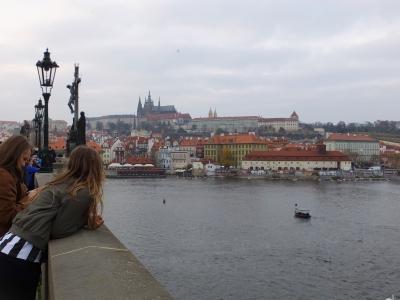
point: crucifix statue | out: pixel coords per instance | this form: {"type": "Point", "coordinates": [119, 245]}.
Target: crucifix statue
{"type": "Point", "coordinates": [77, 134]}
{"type": "Point", "coordinates": [74, 97]}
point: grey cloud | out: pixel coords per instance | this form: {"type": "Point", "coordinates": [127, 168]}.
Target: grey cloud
{"type": "Point", "coordinates": [273, 56]}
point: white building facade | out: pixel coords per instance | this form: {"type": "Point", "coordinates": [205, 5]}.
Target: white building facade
{"type": "Point", "coordinates": [288, 124]}
{"type": "Point", "coordinates": [359, 147]}
{"type": "Point", "coordinates": [180, 159]}
{"type": "Point", "coordinates": [164, 158]}
{"type": "Point", "coordinates": [300, 160]}
{"type": "Point", "coordinates": [229, 124]}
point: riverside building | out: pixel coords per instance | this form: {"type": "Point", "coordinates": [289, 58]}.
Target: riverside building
{"type": "Point", "coordinates": [360, 147]}
{"type": "Point", "coordinates": [232, 147]}
{"type": "Point", "coordinates": [300, 160]}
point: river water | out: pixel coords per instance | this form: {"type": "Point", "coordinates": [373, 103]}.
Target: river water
{"type": "Point", "coordinates": [238, 239]}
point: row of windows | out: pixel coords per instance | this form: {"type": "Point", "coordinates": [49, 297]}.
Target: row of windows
{"type": "Point", "coordinates": [237, 146]}
{"type": "Point", "coordinates": [354, 145]}
{"type": "Point", "coordinates": [290, 162]}
{"type": "Point", "coordinates": [239, 153]}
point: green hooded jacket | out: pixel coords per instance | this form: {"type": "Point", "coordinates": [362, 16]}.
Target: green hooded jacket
{"type": "Point", "coordinates": [53, 214]}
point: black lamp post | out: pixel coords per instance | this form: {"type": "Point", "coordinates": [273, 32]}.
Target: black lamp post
{"type": "Point", "coordinates": [47, 71]}
{"type": "Point", "coordinates": [38, 120]}
{"type": "Point", "coordinates": [35, 127]}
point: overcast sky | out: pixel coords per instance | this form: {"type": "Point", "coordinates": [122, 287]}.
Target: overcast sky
{"type": "Point", "coordinates": [327, 60]}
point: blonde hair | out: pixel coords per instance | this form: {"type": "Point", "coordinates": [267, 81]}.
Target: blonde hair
{"type": "Point", "coordinates": [85, 170]}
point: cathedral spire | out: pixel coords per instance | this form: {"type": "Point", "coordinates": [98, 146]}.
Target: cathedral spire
{"type": "Point", "coordinates": [215, 112]}
{"type": "Point", "coordinates": [139, 112]}
{"type": "Point", "coordinates": [159, 103]}
{"type": "Point", "coordinates": [210, 113]}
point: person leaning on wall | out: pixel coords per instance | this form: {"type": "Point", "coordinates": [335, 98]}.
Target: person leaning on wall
{"type": "Point", "coordinates": [70, 201]}
{"type": "Point", "coordinates": [14, 154]}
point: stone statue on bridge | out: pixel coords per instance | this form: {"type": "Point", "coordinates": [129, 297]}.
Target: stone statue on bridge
{"type": "Point", "coordinates": [25, 129]}
{"type": "Point", "coordinates": [73, 89]}
{"type": "Point", "coordinates": [77, 134]}
{"type": "Point", "coordinates": [81, 130]}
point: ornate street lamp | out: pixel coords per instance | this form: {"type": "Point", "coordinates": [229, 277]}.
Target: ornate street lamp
{"type": "Point", "coordinates": [46, 71]}
{"type": "Point", "coordinates": [39, 108]}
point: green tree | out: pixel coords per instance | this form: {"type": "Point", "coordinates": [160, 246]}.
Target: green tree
{"type": "Point", "coordinates": [181, 131]}
{"type": "Point", "coordinates": [220, 131]}
{"type": "Point", "coordinates": [226, 158]}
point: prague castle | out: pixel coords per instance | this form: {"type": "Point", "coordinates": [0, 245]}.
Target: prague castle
{"type": "Point", "coordinates": [167, 115]}
{"type": "Point", "coordinates": [150, 109]}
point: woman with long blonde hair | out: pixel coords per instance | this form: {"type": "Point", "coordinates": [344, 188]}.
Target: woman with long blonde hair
{"type": "Point", "coordinates": [61, 207]}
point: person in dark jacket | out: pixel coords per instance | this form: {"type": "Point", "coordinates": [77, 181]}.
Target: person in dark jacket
{"type": "Point", "coordinates": [29, 175]}
{"type": "Point", "coordinates": [14, 153]}
{"type": "Point", "coordinates": [60, 208]}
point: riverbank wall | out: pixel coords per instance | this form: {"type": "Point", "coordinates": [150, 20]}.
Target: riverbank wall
{"type": "Point", "coordinates": [95, 265]}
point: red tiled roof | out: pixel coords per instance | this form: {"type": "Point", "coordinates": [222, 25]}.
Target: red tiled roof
{"type": "Point", "coordinates": [294, 147]}
{"type": "Point", "coordinates": [139, 160]}
{"type": "Point", "coordinates": [302, 155]}
{"type": "Point", "coordinates": [108, 143]}
{"type": "Point", "coordinates": [142, 140]}
{"type": "Point", "coordinates": [350, 137]}
{"type": "Point", "coordinates": [192, 142]}
{"type": "Point", "coordinates": [157, 146]}
{"type": "Point", "coordinates": [58, 144]}
{"type": "Point", "coordinates": [93, 145]}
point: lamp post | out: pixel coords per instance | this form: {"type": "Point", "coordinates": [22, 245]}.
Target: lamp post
{"type": "Point", "coordinates": [35, 127]}
{"type": "Point", "coordinates": [38, 118]}
{"type": "Point", "coordinates": [46, 69]}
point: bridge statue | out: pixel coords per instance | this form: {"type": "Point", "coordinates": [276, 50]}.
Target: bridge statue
{"type": "Point", "coordinates": [73, 89]}
{"type": "Point", "coordinates": [77, 134]}
{"type": "Point", "coordinates": [25, 129]}
{"type": "Point", "coordinates": [81, 130]}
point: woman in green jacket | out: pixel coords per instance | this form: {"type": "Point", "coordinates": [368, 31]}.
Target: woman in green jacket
{"type": "Point", "coordinates": [70, 201]}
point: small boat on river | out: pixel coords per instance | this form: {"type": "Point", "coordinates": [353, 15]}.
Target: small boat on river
{"type": "Point", "coordinates": [301, 213]}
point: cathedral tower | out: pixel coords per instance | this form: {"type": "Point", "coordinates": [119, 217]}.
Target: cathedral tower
{"type": "Point", "coordinates": [210, 113]}
{"type": "Point", "coordinates": [139, 111]}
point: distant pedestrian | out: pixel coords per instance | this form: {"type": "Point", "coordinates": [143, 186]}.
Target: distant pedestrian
{"type": "Point", "coordinates": [52, 155]}
{"type": "Point", "coordinates": [63, 206]}
{"type": "Point", "coordinates": [29, 174]}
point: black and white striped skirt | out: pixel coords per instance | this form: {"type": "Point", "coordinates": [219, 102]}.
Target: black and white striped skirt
{"type": "Point", "coordinates": [15, 246]}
